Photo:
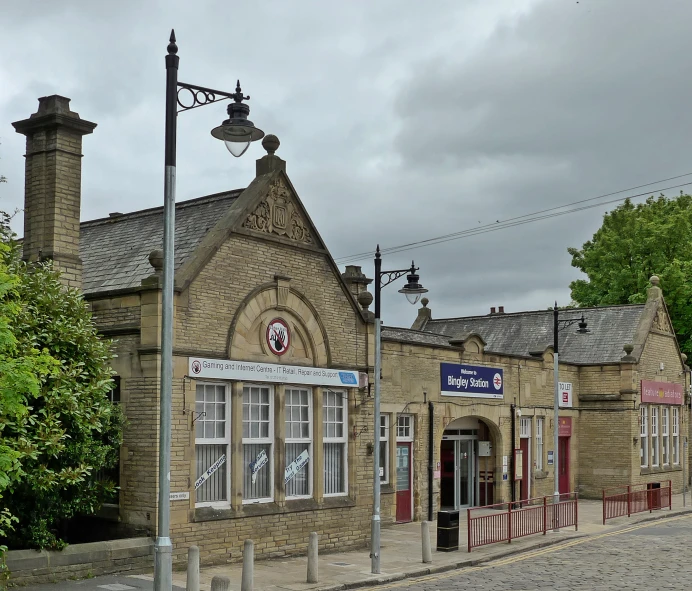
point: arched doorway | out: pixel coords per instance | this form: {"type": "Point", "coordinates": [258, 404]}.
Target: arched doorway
{"type": "Point", "coordinates": [467, 464]}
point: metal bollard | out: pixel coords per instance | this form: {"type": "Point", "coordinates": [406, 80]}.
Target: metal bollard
{"type": "Point", "coordinates": [247, 583]}
{"type": "Point", "coordinates": [219, 583]}
{"type": "Point", "coordinates": [425, 534]}
{"type": "Point", "coordinates": [312, 558]}
{"type": "Point", "coordinates": [192, 569]}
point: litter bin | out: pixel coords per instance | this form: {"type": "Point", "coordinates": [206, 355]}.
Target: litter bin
{"type": "Point", "coordinates": [654, 493]}
{"type": "Point", "coordinates": [447, 531]}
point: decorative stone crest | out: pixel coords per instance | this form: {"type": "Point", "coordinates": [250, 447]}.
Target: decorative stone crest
{"type": "Point", "coordinates": [277, 214]}
{"type": "Point", "coordinates": [661, 322]}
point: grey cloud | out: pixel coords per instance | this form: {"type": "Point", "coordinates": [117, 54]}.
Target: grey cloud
{"type": "Point", "coordinates": [398, 124]}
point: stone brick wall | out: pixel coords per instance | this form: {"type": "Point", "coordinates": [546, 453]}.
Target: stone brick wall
{"type": "Point", "coordinates": [31, 567]}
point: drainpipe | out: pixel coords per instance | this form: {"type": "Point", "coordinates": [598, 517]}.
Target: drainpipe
{"type": "Point", "coordinates": [431, 440]}
{"type": "Point", "coordinates": [513, 410]}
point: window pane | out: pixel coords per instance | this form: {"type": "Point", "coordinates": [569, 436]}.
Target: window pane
{"type": "Point", "coordinates": [334, 469]}
{"type": "Point", "coordinates": [261, 488]}
{"type": "Point", "coordinates": [214, 488]}
{"type": "Point", "coordinates": [299, 485]}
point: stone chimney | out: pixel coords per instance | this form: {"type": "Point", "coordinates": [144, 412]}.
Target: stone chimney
{"type": "Point", "coordinates": [271, 161]}
{"type": "Point", "coordinates": [355, 279]}
{"type": "Point", "coordinates": [53, 179]}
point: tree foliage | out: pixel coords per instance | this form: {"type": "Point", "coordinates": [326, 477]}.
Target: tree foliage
{"type": "Point", "coordinates": [57, 425]}
{"type": "Point", "coordinates": [634, 243]}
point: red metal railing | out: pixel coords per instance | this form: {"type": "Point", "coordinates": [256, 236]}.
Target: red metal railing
{"type": "Point", "coordinates": [636, 498]}
{"type": "Point", "coordinates": [504, 522]}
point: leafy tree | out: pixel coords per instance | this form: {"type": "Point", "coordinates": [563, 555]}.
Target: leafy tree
{"type": "Point", "coordinates": [57, 425]}
{"type": "Point", "coordinates": [634, 243]}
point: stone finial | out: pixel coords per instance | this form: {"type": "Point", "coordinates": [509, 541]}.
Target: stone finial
{"type": "Point", "coordinates": [271, 162]}
{"type": "Point", "coordinates": [424, 314]}
{"type": "Point", "coordinates": [654, 292]}
{"type": "Point", "coordinates": [365, 299]}
{"type": "Point", "coordinates": [271, 144]}
{"type": "Point", "coordinates": [156, 260]}
{"type": "Point", "coordinates": [628, 348]}
{"type": "Point", "coordinates": [683, 357]}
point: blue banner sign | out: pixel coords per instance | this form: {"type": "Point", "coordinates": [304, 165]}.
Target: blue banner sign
{"type": "Point", "coordinates": [475, 381]}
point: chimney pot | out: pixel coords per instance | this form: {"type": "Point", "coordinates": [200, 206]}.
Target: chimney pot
{"type": "Point", "coordinates": [501, 310]}
{"type": "Point", "coordinates": [492, 310]}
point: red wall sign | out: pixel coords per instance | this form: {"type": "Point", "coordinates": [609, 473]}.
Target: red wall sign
{"type": "Point", "coordinates": [564, 427]}
{"type": "Point", "coordinates": [661, 392]}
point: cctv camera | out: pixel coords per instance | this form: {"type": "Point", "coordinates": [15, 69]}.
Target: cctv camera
{"type": "Point", "coordinates": [518, 412]}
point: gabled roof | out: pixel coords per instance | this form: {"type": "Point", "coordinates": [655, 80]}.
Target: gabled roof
{"type": "Point", "coordinates": [115, 250]}
{"type": "Point", "coordinates": [523, 333]}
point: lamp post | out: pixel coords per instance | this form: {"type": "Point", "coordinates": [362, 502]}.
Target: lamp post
{"type": "Point", "coordinates": [237, 133]}
{"type": "Point", "coordinates": [412, 290]}
{"type": "Point", "coordinates": [556, 328]}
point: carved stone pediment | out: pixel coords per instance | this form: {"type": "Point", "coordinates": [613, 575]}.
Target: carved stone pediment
{"type": "Point", "coordinates": [661, 322]}
{"type": "Point", "coordinates": [278, 214]}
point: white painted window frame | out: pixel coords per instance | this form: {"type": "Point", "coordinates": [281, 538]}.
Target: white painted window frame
{"type": "Point", "coordinates": [343, 439]}
{"type": "Point", "coordinates": [644, 436]}
{"type": "Point", "coordinates": [268, 440]}
{"type": "Point", "coordinates": [200, 420]}
{"type": "Point", "coordinates": [300, 440]}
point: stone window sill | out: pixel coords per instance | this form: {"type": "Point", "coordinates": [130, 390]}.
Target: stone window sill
{"type": "Point", "coordinates": [661, 470]}
{"type": "Point", "coordinates": [290, 506]}
{"type": "Point", "coordinates": [386, 489]}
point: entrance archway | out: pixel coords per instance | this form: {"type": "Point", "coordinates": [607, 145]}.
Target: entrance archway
{"type": "Point", "coordinates": [467, 463]}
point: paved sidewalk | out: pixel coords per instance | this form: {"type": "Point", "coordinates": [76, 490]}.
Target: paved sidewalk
{"type": "Point", "coordinates": [401, 558]}
{"type": "Point", "coordinates": [402, 555]}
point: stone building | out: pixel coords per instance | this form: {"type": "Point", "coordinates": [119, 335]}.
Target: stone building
{"type": "Point", "coordinates": [270, 352]}
{"type": "Point", "coordinates": [272, 414]}
{"type": "Point", "coordinates": [623, 395]}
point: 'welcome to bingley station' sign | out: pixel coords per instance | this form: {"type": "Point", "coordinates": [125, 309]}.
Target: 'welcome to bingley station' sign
{"type": "Point", "coordinates": [250, 371]}
{"type": "Point", "coordinates": [474, 381]}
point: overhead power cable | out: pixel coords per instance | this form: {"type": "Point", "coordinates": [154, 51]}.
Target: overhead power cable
{"type": "Point", "coordinates": [520, 220]}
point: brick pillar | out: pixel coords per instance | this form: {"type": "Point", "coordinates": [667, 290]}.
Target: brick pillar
{"type": "Point", "coordinates": [53, 178]}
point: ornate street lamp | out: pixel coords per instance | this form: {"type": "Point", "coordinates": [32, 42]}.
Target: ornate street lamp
{"type": "Point", "coordinates": [413, 291]}
{"type": "Point", "coordinates": [559, 324]}
{"type": "Point", "coordinates": [237, 133]}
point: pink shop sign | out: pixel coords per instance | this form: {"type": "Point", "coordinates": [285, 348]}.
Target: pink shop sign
{"type": "Point", "coordinates": [661, 393]}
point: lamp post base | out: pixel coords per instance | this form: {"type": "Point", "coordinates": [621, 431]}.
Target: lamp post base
{"type": "Point", "coordinates": [375, 545]}
{"type": "Point", "coordinates": [163, 564]}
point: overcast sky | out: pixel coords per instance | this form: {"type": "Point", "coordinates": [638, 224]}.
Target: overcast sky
{"type": "Point", "coordinates": [399, 120]}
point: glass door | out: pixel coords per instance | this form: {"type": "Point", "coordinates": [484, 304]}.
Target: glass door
{"type": "Point", "coordinates": [465, 471]}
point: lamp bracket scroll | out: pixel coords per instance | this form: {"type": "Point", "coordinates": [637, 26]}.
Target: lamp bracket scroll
{"type": "Point", "coordinates": [197, 96]}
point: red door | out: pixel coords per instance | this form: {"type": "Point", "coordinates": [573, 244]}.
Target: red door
{"type": "Point", "coordinates": [524, 487]}
{"type": "Point", "coordinates": [563, 464]}
{"type": "Point", "coordinates": [403, 482]}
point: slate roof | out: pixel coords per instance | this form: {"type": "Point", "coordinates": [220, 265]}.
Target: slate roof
{"type": "Point", "coordinates": [115, 250]}
{"type": "Point", "coordinates": [414, 336]}
{"type": "Point", "coordinates": [522, 333]}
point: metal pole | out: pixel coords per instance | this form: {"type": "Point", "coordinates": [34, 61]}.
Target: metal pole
{"type": "Point", "coordinates": [163, 547]}
{"type": "Point", "coordinates": [375, 526]}
{"type": "Point", "coordinates": [556, 418]}
{"type": "Point", "coordinates": [684, 460]}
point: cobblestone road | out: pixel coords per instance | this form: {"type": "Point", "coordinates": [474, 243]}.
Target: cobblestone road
{"type": "Point", "coordinates": [656, 555]}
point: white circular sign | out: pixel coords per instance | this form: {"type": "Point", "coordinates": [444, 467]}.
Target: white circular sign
{"type": "Point", "coordinates": [497, 381]}
{"type": "Point", "coordinates": [278, 336]}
